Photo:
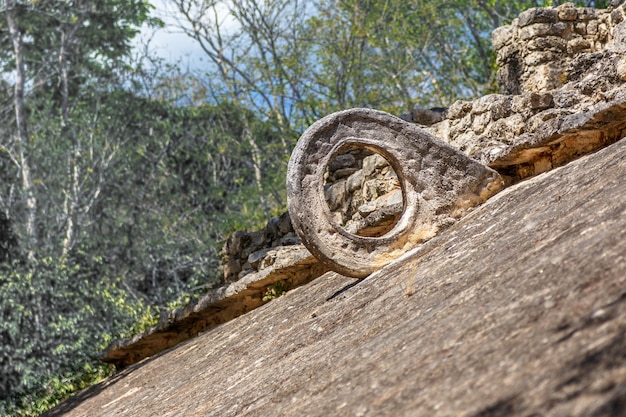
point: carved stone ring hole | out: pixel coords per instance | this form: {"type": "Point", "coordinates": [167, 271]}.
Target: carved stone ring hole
{"type": "Point", "coordinates": [362, 190]}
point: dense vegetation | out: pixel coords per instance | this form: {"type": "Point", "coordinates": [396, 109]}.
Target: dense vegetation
{"type": "Point", "coordinates": [121, 175]}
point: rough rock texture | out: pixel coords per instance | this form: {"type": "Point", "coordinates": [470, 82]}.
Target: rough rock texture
{"type": "Point", "coordinates": [560, 139]}
{"type": "Point", "coordinates": [243, 252]}
{"type": "Point", "coordinates": [535, 52]}
{"type": "Point", "coordinates": [519, 309]}
{"type": "Point", "coordinates": [363, 192]}
{"type": "Point", "coordinates": [519, 136]}
{"type": "Point", "coordinates": [439, 185]}
{"type": "Point", "coordinates": [528, 134]}
{"type": "Point", "coordinates": [563, 70]}
{"type": "Point", "coordinates": [284, 268]}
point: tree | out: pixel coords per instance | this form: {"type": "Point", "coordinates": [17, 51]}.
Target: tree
{"type": "Point", "coordinates": [53, 319]}
{"type": "Point", "coordinates": [60, 50]}
{"type": "Point", "coordinates": [21, 154]}
{"type": "Point", "coordinates": [296, 63]}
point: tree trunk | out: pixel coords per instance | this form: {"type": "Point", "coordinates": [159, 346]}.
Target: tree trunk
{"type": "Point", "coordinates": [22, 130]}
{"type": "Point", "coordinates": [256, 163]}
{"type": "Point", "coordinates": [71, 203]}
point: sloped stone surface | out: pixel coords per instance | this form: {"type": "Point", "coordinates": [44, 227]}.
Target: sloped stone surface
{"type": "Point", "coordinates": [288, 267]}
{"type": "Point", "coordinates": [518, 309]}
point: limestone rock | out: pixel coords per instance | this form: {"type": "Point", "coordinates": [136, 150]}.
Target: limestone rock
{"type": "Point", "coordinates": [535, 50]}
{"type": "Point", "coordinates": [439, 185]}
{"type": "Point", "coordinates": [517, 310]}
{"type": "Point", "coordinates": [571, 101]}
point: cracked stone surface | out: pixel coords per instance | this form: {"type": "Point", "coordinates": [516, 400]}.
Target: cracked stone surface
{"type": "Point", "coordinates": [567, 68]}
{"type": "Point", "coordinates": [519, 309]}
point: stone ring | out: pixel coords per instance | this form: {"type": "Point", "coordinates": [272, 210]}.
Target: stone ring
{"type": "Point", "coordinates": [438, 182]}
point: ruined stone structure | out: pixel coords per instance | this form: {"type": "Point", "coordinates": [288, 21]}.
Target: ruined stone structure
{"type": "Point", "coordinates": [537, 52]}
{"type": "Point", "coordinates": [563, 72]}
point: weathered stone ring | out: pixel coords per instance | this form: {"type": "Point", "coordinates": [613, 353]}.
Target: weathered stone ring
{"type": "Point", "coordinates": [439, 184]}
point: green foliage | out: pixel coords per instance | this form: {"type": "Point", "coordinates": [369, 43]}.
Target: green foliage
{"type": "Point", "coordinates": [393, 55]}
{"type": "Point", "coordinates": [182, 182]}
{"type": "Point", "coordinates": [298, 61]}
{"type": "Point", "coordinates": [55, 390]}
{"type": "Point", "coordinates": [56, 315]}
{"type": "Point", "coordinates": [97, 35]}
{"type": "Point", "coordinates": [279, 288]}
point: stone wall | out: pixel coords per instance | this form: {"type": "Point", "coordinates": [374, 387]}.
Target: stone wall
{"type": "Point", "coordinates": [535, 51]}
{"type": "Point", "coordinates": [363, 195]}
{"type": "Point", "coordinates": [247, 252]}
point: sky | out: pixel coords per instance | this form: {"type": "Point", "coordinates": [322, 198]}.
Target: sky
{"type": "Point", "coordinates": [169, 42]}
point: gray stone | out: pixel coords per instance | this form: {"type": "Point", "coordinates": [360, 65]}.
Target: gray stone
{"type": "Point", "coordinates": [232, 268]}
{"type": "Point", "coordinates": [354, 181]}
{"type": "Point", "coordinates": [486, 103]}
{"type": "Point", "coordinates": [501, 36]}
{"type": "Point", "coordinates": [542, 29]}
{"type": "Point", "coordinates": [345, 160]}
{"type": "Point", "coordinates": [567, 11]}
{"type": "Point", "coordinates": [518, 310]}
{"type": "Point", "coordinates": [548, 43]}
{"type": "Point", "coordinates": [290, 239]}
{"type": "Point", "coordinates": [428, 117]}
{"type": "Point", "coordinates": [367, 208]}
{"type": "Point", "coordinates": [335, 195]}
{"type": "Point", "coordinates": [373, 162]}
{"type": "Point", "coordinates": [284, 224]}
{"type": "Point", "coordinates": [538, 15]}
{"type": "Point", "coordinates": [619, 37]}
{"type": "Point", "coordinates": [256, 257]}
{"type": "Point", "coordinates": [459, 109]}
{"type": "Point", "coordinates": [344, 172]}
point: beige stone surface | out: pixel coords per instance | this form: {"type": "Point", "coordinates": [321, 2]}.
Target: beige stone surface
{"type": "Point", "coordinates": [519, 136]}
{"type": "Point", "coordinates": [285, 267]}
{"type": "Point", "coordinates": [519, 309]}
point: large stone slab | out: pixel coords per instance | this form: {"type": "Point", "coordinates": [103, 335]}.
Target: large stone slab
{"type": "Point", "coordinates": [519, 309]}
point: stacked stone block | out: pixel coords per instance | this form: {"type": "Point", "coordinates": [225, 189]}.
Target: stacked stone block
{"type": "Point", "coordinates": [244, 252]}
{"type": "Point", "coordinates": [534, 52]}
{"type": "Point", "coordinates": [363, 193]}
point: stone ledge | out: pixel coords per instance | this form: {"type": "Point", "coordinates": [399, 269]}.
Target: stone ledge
{"type": "Point", "coordinates": [294, 266]}
{"type": "Point", "coordinates": [560, 140]}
